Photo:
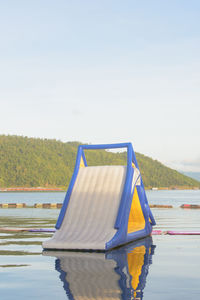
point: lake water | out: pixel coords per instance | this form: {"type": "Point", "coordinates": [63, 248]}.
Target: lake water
{"type": "Point", "coordinates": [161, 267]}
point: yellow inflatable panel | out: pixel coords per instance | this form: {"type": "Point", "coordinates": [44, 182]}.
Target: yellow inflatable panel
{"type": "Point", "coordinates": [82, 165]}
{"type": "Point", "coordinates": [136, 218]}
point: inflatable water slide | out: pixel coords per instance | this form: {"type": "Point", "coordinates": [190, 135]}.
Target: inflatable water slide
{"type": "Point", "coordinates": [104, 207]}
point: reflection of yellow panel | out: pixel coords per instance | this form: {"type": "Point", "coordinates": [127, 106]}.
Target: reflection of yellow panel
{"type": "Point", "coordinates": [135, 264]}
{"type": "Point", "coordinates": [82, 165]}
{"type": "Point", "coordinates": [136, 218]}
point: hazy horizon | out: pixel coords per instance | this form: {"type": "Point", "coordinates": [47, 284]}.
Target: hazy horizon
{"type": "Point", "coordinates": [104, 72]}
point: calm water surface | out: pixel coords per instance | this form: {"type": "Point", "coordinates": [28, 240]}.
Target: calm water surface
{"type": "Point", "coordinates": [164, 267]}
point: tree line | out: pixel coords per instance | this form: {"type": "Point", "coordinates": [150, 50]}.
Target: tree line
{"type": "Point", "coordinates": [31, 162]}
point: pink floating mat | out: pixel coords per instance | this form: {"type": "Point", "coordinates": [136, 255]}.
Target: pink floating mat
{"type": "Point", "coordinates": [154, 232]}
{"type": "Point", "coordinates": [183, 232]}
{"type": "Point", "coordinates": [174, 232]}
{"type": "Point", "coordinates": [13, 229]}
{"type": "Point", "coordinates": [42, 230]}
{"type": "Point", "coordinates": [158, 232]}
{"type": "Point", "coordinates": [27, 229]}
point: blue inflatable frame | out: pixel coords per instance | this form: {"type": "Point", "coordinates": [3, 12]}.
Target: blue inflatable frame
{"type": "Point", "coordinates": [121, 237]}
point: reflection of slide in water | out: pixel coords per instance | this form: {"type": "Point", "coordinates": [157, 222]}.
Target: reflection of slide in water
{"type": "Point", "coordinates": [118, 274]}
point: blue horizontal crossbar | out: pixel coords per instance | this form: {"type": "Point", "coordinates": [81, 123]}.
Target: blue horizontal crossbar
{"type": "Point", "coordinates": [111, 146]}
{"type": "Point", "coordinates": [106, 146]}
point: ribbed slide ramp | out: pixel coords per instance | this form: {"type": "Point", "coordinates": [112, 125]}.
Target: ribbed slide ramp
{"type": "Point", "coordinates": [92, 210]}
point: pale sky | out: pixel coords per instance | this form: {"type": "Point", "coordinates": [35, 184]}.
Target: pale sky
{"type": "Point", "coordinates": [104, 72]}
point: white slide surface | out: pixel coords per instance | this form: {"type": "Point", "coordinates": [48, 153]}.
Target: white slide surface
{"type": "Point", "coordinates": [92, 210]}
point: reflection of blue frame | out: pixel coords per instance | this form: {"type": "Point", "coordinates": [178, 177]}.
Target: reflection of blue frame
{"type": "Point", "coordinates": [120, 256]}
{"type": "Point", "coordinates": [62, 276]}
{"type": "Point", "coordinates": [121, 236]}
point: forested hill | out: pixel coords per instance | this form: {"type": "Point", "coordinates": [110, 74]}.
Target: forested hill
{"type": "Point", "coordinates": [31, 162]}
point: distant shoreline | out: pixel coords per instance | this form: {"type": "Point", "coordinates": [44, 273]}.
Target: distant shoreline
{"type": "Point", "coordinates": [63, 189]}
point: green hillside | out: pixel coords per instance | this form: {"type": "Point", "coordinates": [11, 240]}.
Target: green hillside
{"type": "Point", "coordinates": [31, 162]}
